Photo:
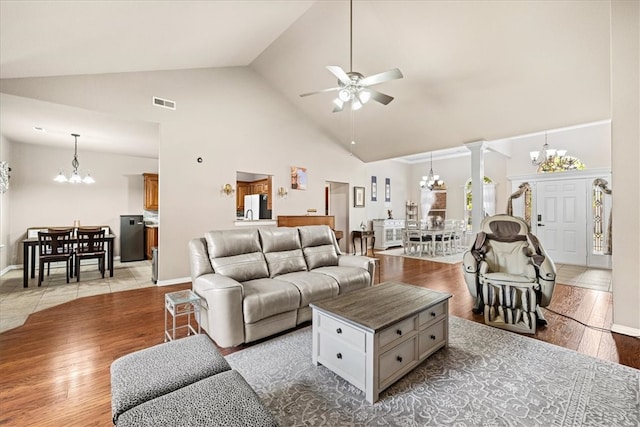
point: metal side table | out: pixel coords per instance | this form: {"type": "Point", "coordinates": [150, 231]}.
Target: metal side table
{"type": "Point", "coordinates": [181, 303]}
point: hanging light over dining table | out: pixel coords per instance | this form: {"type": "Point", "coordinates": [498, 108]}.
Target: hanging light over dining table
{"type": "Point", "coordinates": [75, 177]}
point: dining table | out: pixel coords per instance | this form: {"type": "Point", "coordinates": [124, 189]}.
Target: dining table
{"type": "Point", "coordinates": [433, 233]}
{"type": "Point", "coordinates": [30, 244]}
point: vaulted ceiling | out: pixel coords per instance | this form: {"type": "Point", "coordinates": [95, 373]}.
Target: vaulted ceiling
{"type": "Point", "coordinates": [473, 70]}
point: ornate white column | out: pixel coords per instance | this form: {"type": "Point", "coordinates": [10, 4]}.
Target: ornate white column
{"type": "Point", "coordinates": [477, 183]}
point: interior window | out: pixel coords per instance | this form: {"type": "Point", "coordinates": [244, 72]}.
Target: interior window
{"type": "Point", "coordinates": [254, 196]}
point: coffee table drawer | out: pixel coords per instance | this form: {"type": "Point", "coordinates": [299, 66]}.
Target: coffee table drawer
{"type": "Point", "coordinates": [396, 359]}
{"type": "Point", "coordinates": [396, 331]}
{"type": "Point", "coordinates": [343, 359]}
{"type": "Point", "coordinates": [342, 331]}
{"type": "Point", "coordinates": [431, 338]}
{"type": "Point", "coordinates": [432, 313]}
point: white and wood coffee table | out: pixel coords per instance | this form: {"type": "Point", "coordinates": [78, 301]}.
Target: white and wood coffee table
{"type": "Point", "coordinates": [373, 336]}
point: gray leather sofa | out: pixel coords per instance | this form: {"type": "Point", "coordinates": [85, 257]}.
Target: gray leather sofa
{"type": "Point", "coordinates": [257, 282]}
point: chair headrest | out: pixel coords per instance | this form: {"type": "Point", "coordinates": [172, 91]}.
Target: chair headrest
{"type": "Point", "coordinates": [504, 226]}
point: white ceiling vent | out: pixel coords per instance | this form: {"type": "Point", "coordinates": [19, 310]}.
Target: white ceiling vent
{"type": "Point", "coordinates": [164, 103]}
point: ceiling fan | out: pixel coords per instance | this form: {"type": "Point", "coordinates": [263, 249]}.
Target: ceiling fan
{"type": "Point", "coordinates": [354, 88]}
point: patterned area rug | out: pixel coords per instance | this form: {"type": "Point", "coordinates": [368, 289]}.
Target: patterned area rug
{"type": "Point", "coordinates": [447, 259]}
{"type": "Point", "coordinates": [486, 377]}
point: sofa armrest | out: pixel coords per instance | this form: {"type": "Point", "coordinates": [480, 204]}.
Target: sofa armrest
{"type": "Point", "coordinates": [199, 258]}
{"type": "Point", "coordinates": [222, 306]}
{"type": "Point", "coordinates": [364, 262]}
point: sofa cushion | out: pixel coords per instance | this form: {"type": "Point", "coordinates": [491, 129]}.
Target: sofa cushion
{"type": "Point", "coordinates": [318, 246]}
{"type": "Point", "coordinates": [312, 286]}
{"type": "Point", "coordinates": [285, 262]}
{"type": "Point", "coordinates": [242, 267]}
{"type": "Point", "coordinates": [237, 254]}
{"type": "Point", "coordinates": [349, 278]}
{"type": "Point", "coordinates": [282, 251]}
{"type": "Point", "coordinates": [279, 239]}
{"type": "Point", "coordinates": [267, 297]}
{"type": "Point", "coordinates": [223, 243]}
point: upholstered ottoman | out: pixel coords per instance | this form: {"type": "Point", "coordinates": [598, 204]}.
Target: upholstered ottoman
{"type": "Point", "coordinates": [224, 399]}
{"type": "Point", "coordinates": [156, 371]}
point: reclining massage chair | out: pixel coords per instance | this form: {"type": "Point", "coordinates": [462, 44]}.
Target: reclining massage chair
{"type": "Point", "coordinates": [509, 274]}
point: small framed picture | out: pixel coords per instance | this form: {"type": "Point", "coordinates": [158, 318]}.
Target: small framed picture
{"type": "Point", "coordinates": [387, 189]}
{"type": "Point", "coordinates": [374, 188]}
{"type": "Point", "coordinates": [358, 197]}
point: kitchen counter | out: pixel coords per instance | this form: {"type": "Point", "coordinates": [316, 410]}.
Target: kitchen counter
{"type": "Point", "coordinates": [254, 222]}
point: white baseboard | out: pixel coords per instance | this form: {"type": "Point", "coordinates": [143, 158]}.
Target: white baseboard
{"type": "Point", "coordinates": [625, 330]}
{"type": "Point", "coordinates": [9, 268]}
{"type": "Point", "coordinates": [174, 281]}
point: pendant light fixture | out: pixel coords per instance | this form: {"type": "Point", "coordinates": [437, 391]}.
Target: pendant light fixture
{"type": "Point", "coordinates": [75, 177]}
{"type": "Point", "coordinates": [431, 180]}
{"type": "Point", "coordinates": [552, 160]}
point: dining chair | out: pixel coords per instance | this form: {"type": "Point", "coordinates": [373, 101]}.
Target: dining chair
{"type": "Point", "coordinates": [90, 246]}
{"type": "Point", "coordinates": [443, 240]}
{"type": "Point", "coordinates": [55, 246]}
{"type": "Point", "coordinates": [457, 235]}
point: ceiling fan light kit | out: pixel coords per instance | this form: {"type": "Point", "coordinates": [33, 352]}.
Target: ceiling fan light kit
{"type": "Point", "coordinates": [353, 87]}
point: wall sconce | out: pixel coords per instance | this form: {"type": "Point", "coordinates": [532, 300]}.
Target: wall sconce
{"type": "Point", "coordinates": [228, 189]}
{"type": "Point", "coordinates": [282, 192]}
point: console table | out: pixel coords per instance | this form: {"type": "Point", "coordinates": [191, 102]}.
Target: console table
{"type": "Point", "coordinates": [363, 236]}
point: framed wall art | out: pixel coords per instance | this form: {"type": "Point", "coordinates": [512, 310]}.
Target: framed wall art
{"type": "Point", "coordinates": [374, 188]}
{"type": "Point", "coordinates": [387, 189]}
{"type": "Point", "coordinates": [298, 178]}
{"type": "Point", "coordinates": [358, 197]}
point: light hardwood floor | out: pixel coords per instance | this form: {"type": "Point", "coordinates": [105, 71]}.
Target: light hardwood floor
{"type": "Point", "coordinates": [54, 369]}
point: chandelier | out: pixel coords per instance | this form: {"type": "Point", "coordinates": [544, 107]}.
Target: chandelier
{"type": "Point", "coordinates": [75, 175]}
{"type": "Point", "coordinates": [430, 181]}
{"type": "Point", "coordinates": [551, 160]}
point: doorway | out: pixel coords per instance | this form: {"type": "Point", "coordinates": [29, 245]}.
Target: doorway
{"type": "Point", "coordinates": [337, 204]}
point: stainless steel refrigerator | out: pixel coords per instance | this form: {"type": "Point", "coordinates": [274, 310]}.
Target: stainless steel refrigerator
{"type": "Point", "coordinates": [131, 238]}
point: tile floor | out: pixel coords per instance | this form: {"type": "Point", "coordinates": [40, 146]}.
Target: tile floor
{"type": "Point", "coordinates": [17, 302]}
{"type": "Point", "coordinates": [590, 278]}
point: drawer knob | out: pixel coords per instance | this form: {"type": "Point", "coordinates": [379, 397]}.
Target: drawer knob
{"type": "Point", "coordinates": [433, 337]}
{"type": "Point", "coordinates": [339, 355]}
{"type": "Point", "coordinates": [399, 359]}
{"type": "Point", "coordinates": [399, 332]}
{"type": "Point", "coordinates": [433, 314]}
{"type": "Point", "coordinates": [339, 331]}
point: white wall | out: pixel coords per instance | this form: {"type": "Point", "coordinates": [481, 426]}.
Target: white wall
{"type": "Point", "coordinates": [231, 119]}
{"type": "Point", "coordinates": [38, 201]}
{"type": "Point", "coordinates": [625, 58]}
{"type": "Point", "coordinates": [398, 173]}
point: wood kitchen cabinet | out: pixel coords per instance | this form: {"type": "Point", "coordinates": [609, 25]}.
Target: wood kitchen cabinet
{"type": "Point", "coordinates": [150, 240]}
{"type": "Point", "coordinates": [244, 188]}
{"type": "Point", "coordinates": [150, 191]}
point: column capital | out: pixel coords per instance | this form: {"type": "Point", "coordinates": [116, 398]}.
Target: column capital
{"type": "Point", "coordinates": [475, 145]}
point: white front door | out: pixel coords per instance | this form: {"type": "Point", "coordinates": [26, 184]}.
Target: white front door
{"type": "Point", "coordinates": [561, 222]}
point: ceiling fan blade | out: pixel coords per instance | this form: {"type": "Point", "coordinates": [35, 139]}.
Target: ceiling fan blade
{"type": "Point", "coordinates": [321, 91]}
{"type": "Point", "coordinates": [382, 77]}
{"type": "Point", "coordinates": [339, 73]}
{"type": "Point", "coordinates": [382, 98]}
